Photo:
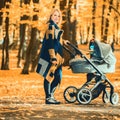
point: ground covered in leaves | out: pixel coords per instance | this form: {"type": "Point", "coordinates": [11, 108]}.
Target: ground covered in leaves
{"type": "Point", "coordinates": [22, 96]}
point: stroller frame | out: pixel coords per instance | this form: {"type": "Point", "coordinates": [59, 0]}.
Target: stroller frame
{"type": "Point", "coordinates": [84, 95]}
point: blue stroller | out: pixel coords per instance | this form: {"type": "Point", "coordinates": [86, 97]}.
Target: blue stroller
{"type": "Point", "coordinates": [96, 67]}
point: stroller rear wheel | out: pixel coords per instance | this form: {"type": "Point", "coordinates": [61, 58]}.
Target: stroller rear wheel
{"type": "Point", "coordinates": [114, 98]}
{"type": "Point", "coordinates": [70, 94]}
{"type": "Point", "coordinates": [84, 96]}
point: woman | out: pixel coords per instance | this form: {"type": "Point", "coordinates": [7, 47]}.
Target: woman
{"type": "Point", "coordinates": [51, 57]}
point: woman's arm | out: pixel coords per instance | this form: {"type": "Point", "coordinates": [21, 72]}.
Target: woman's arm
{"type": "Point", "coordinates": [50, 42]}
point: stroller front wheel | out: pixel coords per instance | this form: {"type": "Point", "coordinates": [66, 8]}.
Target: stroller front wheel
{"type": "Point", "coordinates": [84, 96]}
{"type": "Point", "coordinates": [114, 98]}
{"type": "Point", "coordinates": [70, 94]}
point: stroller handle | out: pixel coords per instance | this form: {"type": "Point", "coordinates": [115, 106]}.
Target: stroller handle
{"type": "Point", "coordinates": [76, 49]}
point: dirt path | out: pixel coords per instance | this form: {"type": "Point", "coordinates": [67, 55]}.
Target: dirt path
{"type": "Point", "coordinates": [29, 111]}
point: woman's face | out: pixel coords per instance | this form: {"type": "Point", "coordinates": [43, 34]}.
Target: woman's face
{"type": "Point", "coordinates": [56, 17]}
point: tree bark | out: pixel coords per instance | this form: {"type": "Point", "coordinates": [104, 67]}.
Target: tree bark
{"type": "Point", "coordinates": [22, 34]}
{"type": "Point", "coordinates": [66, 18]}
{"type": "Point", "coordinates": [93, 19]}
{"type": "Point", "coordinates": [102, 21]}
{"type": "Point", "coordinates": [22, 39]}
{"type": "Point", "coordinates": [107, 21]}
{"type": "Point", "coordinates": [74, 26]}
{"type": "Point", "coordinates": [65, 6]}
{"type": "Point", "coordinates": [117, 24]}
{"type": "Point", "coordinates": [1, 13]}
{"type": "Point", "coordinates": [88, 31]}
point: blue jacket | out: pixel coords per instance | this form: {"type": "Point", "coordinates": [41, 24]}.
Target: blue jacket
{"type": "Point", "coordinates": [51, 50]}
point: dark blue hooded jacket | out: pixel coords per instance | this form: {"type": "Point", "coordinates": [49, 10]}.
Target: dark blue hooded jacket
{"type": "Point", "coordinates": [51, 50]}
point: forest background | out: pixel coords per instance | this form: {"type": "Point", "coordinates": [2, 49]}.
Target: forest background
{"type": "Point", "coordinates": [22, 25]}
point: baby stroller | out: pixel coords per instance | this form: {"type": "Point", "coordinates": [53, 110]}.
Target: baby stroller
{"type": "Point", "coordinates": [96, 68]}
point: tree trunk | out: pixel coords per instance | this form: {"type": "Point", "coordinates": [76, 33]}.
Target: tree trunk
{"type": "Point", "coordinates": [35, 60]}
{"type": "Point", "coordinates": [117, 25]}
{"type": "Point", "coordinates": [93, 19]}
{"type": "Point", "coordinates": [22, 34]}
{"type": "Point", "coordinates": [69, 26]}
{"type": "Point", "coordinates": [29, 53]}
{"type": "Point", "coordinates": [81, 36]}
{"type": "Point", "coordinates": [74, 23]}
{"type": "Point", "coordinates": [107, 22]}
{"type": "Point", "coordinates": [88, 31]}
{"type": "Point", "coordinates": [1, 13]}
{"type": "Point", "coordinates": [22, 40]}
{"type": "Point", "coordinates": [73, 31]}
{"type": "Point", "coordinates": [31, 50]}
{"type": "Point", "coordinates": [5, 49]}
{"type": "Point", "coordinates": [102, 21]}
{"type": "Point", "coordinates": [66, 18]}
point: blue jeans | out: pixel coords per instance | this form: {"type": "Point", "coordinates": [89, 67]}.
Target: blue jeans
{"type": "Point", "coordinates": [50, 88]}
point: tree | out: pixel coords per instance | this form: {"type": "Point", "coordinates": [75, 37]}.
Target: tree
{"type": "Point", "coordinates": [1, 13]}
{"type": "Point", "coordinates": [66, 18]}
{"type": "Point", "coordinates": [102, 21]}
{"type": "Point", "coordinates": [93, 18]}
{"type": "Point", "coordinates": [5, 48]}
{"type": "Point", "coordinates": [117, 23]}
{"type": "Point", "coordinates": [107, 21]}
{"type": "Point", "coordinates": [73, 22]}
{"type": "Point", "coordinates": [69, 24]}
{"type": "Point", "coordinates": [31, 50]}
{"type": "Point", "coordinates": [22, 33]}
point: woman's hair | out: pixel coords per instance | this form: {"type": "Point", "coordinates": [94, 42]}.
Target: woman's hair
{"type": "Point", "coordinates": [58, 10]}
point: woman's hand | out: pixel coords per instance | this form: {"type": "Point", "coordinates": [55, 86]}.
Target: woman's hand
{"type": "Point", "coordinates": [54, 62]}
{"type": "Point", "coordinates": [65, 42]}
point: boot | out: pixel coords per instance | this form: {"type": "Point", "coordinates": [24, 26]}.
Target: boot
{"type": "Point", "coordinates": [49, 96]}
{"type": "Point", "coordinates": [50, 100]}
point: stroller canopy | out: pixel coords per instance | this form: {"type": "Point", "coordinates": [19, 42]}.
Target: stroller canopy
{"type": "Point", "coordinates": [104, 52]}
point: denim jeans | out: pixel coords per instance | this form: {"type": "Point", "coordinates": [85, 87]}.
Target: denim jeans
{"type": "Point", "coordinates": [50, 88]}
